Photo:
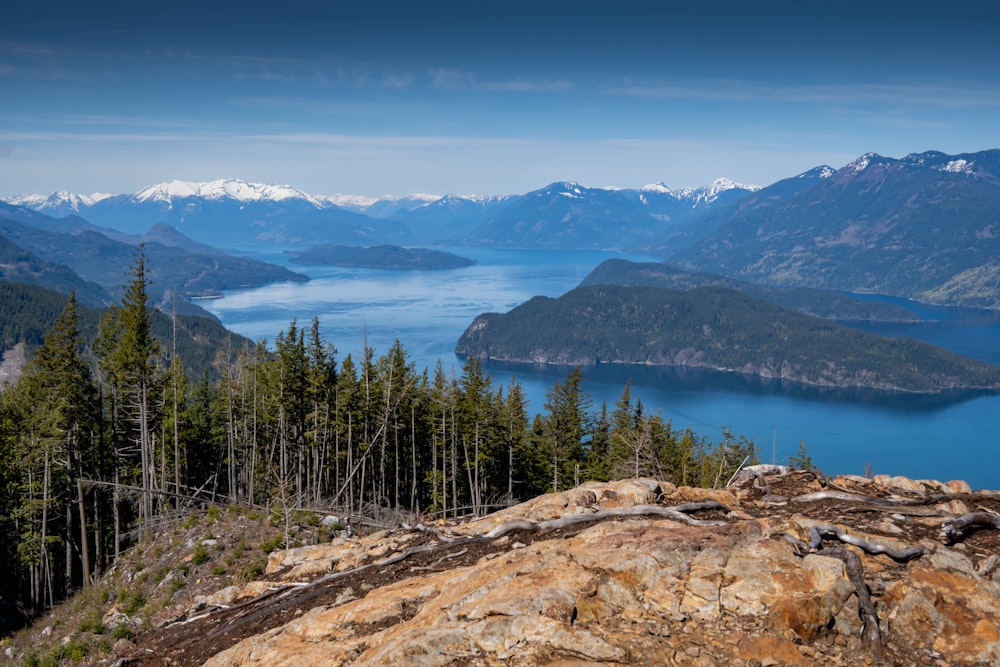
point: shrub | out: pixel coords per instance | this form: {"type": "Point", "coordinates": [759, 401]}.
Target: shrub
{"type": "Point", "coordinates": [200, 555]}
{"type": "Point", "coordinates": [93, 623]}
{"type": "Point", "coordinates": [276, 542]}
{"type": "Point", "coordinates": [134, 602]}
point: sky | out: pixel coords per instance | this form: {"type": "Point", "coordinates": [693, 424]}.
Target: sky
{"type": "Point", "coordinates": [377, 97]}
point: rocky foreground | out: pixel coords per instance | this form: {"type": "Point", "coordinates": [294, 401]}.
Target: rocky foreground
{"type": "Point", "coordinates": [779, 569]}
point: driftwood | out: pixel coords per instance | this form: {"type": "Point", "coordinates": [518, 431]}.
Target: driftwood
{"type": "Point", "coordinates": [871, 636]}
{"type": "Point", "coordinates": [846, 496]}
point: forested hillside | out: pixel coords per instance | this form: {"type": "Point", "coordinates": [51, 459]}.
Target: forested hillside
{"type": "Point", "coordinates": [379, 257]}
{"type": "Point", "coordinates": [27, 312]}
{"type": "Point", "coordinates": [922, 227]}
{"type": "Point", "coordinates": [102, 440]}
{"type": "Point", "coordinates": [810, 301]}
{"type": "Point", "coordinates": [717, 328]}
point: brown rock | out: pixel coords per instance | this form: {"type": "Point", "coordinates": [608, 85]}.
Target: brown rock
{"type": "Point", "coordinates": [771, 651]}
{"type": "Point", "coordinates": [950, 611]}
{"type": "Point", "coordinates": [645, 590]}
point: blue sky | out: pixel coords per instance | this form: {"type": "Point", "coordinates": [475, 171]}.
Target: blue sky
{"type": "Point", "coordinates": [483, 97]}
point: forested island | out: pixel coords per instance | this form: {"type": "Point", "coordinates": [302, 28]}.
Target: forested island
{"type": "Point", "coordinates": [379, 257]}
{"type": "Point", "coordinates": [808, 300]}
{"type": "Point", "coordinates": [716, 328]}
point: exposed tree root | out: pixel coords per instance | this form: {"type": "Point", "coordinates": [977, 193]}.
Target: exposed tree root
{"type": "Point", "coordinates": [677, 512]}
{"type": "Point", "coordinates": [818, 532]}
{"type": "Point", "coordinates": [953, 529]}
{"type": "Point", "coordinates": [871, 636]}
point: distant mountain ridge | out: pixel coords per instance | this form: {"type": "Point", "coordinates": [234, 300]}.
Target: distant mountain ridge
{"type": "Point", "coordinates": [70, 254]}
{"type": "Point", "coordinates": [226, 210]}
{"type": "Point", "coordinates": [925, 227]}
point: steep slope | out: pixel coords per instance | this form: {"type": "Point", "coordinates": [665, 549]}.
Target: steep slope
{"type": "Point", "coordinates": [450, 219]}
{"type": "Point", "coordinates": [567, 215]}
{"type": "Point", "coordinates": [18, 265]}
{"type": "Point", "coordinates": [700, 222]}
{"type": "Point", "coordinates": [923, 227]}
{"type": "Point", "coordinates": [173, 269]}
{"type": "Point", "coordinates": [28, 312]}
{"type": "Point", "coordinates": [716, 328]}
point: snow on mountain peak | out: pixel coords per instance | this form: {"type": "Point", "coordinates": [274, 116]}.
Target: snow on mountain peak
{"type": "Point", "coordinates": [356, 202]}
{"type": "Point", "coordinates": [59, 202]}
{"type": "Point", "coordinates": [711, 192]}
{"type": "Point", "coordinates": [862, 162]}
{"type": "Point", "coordinates": [658, 187]}
{"type": "Point", "coordinates": [226, 188]}
{"type": "Point", "coordinates": [958, 167]}
{"type": "Point", "coordinates": [167, 191]}
{"type": "Point", "coordinates": [722, 184]}
{"type": "Point", "coordinates": [823, 171]}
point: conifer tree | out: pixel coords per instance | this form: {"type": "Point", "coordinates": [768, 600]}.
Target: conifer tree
{"type": "Point", "coordinates": [565, 428]}
{"type": "Point", "coordinates": [128, 356]}
{"type": "Point", "coordinates": [58, 408]}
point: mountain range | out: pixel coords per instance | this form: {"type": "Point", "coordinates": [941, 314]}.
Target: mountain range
{"type": "Point", "coordinates": [231, 212]}
{"type": "Point", "coordinates": [924, 226]}
{"type": "Point", "coordinates": [71, 255]}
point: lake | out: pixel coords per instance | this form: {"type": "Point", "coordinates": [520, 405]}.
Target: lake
{"type": "Point", "coordinates": [950, 436]}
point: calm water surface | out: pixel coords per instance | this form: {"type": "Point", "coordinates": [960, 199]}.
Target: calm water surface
{"type": "Point", "coordinates": [941, 437]}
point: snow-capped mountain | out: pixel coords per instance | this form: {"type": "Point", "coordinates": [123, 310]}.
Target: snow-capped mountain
{"type": "Point", "coordinates": [226, 188]}
{"type": "Point", "coordinates": [922, 226]}
{"type": "Point", "coordinates": [58, 204]}
{"type": "Point", "coordinates": [566, 214]}
{"type": "Point", "coordinates": [228, 212]}
{"type": "Point", "coordinates": [982, 165]}
{"type": "Point", "coordinates": [391, 206]}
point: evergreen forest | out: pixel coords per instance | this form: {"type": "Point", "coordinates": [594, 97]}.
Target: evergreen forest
{"type": "Point", "coordinates": [106, 436]}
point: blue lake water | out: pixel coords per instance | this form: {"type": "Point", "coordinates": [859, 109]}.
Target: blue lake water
{"type": "Point", "coordinates": [952, 436]}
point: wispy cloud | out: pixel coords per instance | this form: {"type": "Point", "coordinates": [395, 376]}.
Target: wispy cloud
{"type": "Point", "coordinates": [923, 94]}
{"type": "Point", "coordinates": [457, 79]}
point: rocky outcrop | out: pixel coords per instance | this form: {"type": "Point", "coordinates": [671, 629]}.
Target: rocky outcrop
{"type": "Point", "coordinates": [11, 365]}
{"type": "Point", "coordinates": [632, 572]}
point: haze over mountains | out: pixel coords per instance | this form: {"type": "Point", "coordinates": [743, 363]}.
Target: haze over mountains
{"type": "Point", "coordinates": [230, 211]}
{"type": "Point", "coordinates": [924, 226]}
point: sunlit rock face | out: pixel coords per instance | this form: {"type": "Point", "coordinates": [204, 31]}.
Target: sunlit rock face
{"type": "Point", "coordinates": [739, 585]}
